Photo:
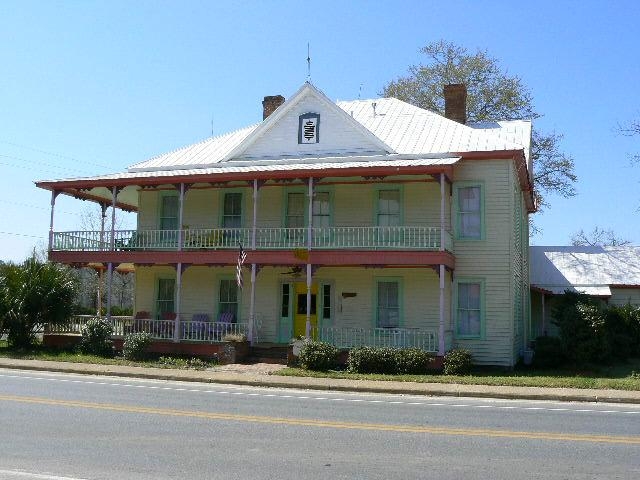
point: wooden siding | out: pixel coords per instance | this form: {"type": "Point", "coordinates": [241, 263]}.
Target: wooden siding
{"type": "Point", "coordinates": [491, 259]}
{"type": "Point", "coordinates": [622, 296]}
{"type": "Point", "coordinates": [337, 136]}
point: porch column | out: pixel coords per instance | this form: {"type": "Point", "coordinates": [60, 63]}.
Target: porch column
{"type": "Point", "coordinates": [103, 216]}
{"type": "Point", "coordinates": [441, 322]}
{"type": "Point", "coordinates": [310, 220]}
{"type": "Point", "coordinates": [176, 327]}
{"type": "Point", "coordinates": [442, 210]}
{"type": "Point", "coordinates": [307, 328]}
{"type": "Point", "coordinates": [252, 304]}
{"type": "Point", "coordinates": [180, 216]}
{"type": "Point", "coordinates": [114, 194]}
{"type": "Point", "coordinates": [54, 194]}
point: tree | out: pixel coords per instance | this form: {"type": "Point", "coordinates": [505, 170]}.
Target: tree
{"type": "Point", "coordinates": [599, 237]}
{"type": "Point", "coordinates": [631, 129]}
{"type": "Point", "coordinates": [492, 94]}
{"type": "Point", "coordinates": [32, 294]}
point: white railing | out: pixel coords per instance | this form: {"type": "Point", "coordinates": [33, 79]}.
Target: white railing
{"type": "Point", "coordinates": [157, 329]}
{"type": "Point", "coordinates": [396, 237]}
{"type": "Point", "coordinates": [343, 337]}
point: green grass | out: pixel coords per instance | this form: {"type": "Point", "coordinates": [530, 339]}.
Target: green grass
{"type": "Point", "coordinates": [620, 377]}
{"type": "Point", "coordinates": [57, 355]}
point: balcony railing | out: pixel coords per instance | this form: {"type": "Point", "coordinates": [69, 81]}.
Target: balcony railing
{"type": "Point", "coordinates": [343, 337]}
{"type": "Point", "coordinates": [396, 237]}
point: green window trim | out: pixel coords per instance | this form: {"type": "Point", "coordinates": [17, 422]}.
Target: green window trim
{"type": "Point", "coordinates": [168, 220]}
{"type": "Point", "coordinates": [376, 301]}
{"type": "Point", "coordinates": [163, 305]}
{"type": "Point", "coordinates": [457, 307]}
{"type": "Point", "coordinates": [223, 195]}
{"type": "Point", "coordinates": [458, 227]}
{"type": "Point", "coordinates": [300, 190]}
{"type": "Point", "coordinates": [377, 213]}
{"type": "Point", "coordinates": [223, 282]}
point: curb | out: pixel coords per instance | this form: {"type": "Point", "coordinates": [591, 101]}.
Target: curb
{"type": "Point", "coordinates": [344, 385]}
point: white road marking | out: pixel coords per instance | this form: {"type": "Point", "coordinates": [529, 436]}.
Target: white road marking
{"type": "Point", "coordinates": [7, 474]}
{"type": "Point", "coordinates": [323, 398]}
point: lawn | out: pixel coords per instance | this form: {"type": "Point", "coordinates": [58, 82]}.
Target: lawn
{"type": "Point", "coordinates": [57, 355]}
{"type": "Point", "coordinates": [620, 377]}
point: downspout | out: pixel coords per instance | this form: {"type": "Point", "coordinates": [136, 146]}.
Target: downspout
{"type": "Point", "coordinates": [441, 345]}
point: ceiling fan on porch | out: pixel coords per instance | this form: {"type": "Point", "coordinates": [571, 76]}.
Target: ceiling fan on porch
{"type": "Point", "coordinates": [295, 271]}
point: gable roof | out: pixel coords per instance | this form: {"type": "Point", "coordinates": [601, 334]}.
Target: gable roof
{"type": "Point", "coordinates": [591, 270]}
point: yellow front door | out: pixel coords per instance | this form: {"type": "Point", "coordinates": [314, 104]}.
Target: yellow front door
{"type": "Point", "coordinates": [300, 309]}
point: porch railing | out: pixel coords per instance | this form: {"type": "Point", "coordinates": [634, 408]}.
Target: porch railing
{"type": "Point", "coordinates": [157, 329]}
{"type": "Point", "coordinates": [393, 237]}
{"type": "Point", "coordinates": [343, 337]}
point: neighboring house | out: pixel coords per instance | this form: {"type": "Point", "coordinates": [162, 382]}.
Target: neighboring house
{"type": "Point", "coordinates": [609, 273]}
{"type": "Point", "coordinates": [364, 222]}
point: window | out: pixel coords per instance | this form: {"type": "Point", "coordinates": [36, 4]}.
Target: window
{"type": "Point", "coordinates": [321, 209]}
{"type": "Point", "coordinates": [295, 210]}
{"type": "Point", "coordinates": [388, 309]}
{"type": "Point", "coordinates": [309, 128]}
{"type": "Point", "coordinates": [469, 309]}
{"type": "Point", "coordinates": [166, 296]}
{"type": "Point", "coordinates": [326, 302]}
{"type": "Point", "coordinates": [232, 210]}
{"type": "Point", "coordinates": [469, 203]}
{"type": "Point", "coordinates": [302, 304]}
{"type": "Point", "coordinates": [169, 212]}
{"type": "Point", "coordinates": [284, 308]}
{"type": "Point", "coordinates": [228, 298]}
{"type": "Point", "coordinates": [388, 208]}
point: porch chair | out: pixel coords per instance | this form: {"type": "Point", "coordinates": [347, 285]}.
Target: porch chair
{"type": "Point", "coordinates": [222, 325]}
{"type": "Point", "coordinates": [165, 329]}
{"type": "Point", "coordinates": [198, 329]}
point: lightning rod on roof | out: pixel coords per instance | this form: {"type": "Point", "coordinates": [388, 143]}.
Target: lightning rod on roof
{"type": "Point", "coordinates": [308, 63]}
{"type": "Point", "coordinates": [360, 91]}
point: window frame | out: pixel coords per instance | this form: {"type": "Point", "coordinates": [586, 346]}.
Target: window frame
{"type": "Point", "coordinates": [232, 280]}
{"type": "Point", "coordinates": [376, 311]}
{"type": "Point", "coordinates": [482, 310]}
{"type": "Point", "coordinates": [156, 300]}
{"type": "Point", "coordinates": [161, 216]}
{"type": "Point", "coordinates": [458, 186]}
{"type": "Point", "coordinates": [223, 195]}
{"type": "Point", "coordinates": [376, 202]}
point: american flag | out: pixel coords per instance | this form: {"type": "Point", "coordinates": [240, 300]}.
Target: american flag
{"type": "Point", "coordinates": [242, 256]}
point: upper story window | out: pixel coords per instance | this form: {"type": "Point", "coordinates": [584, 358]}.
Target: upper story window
{"type": "Point", "coordinates": [232, 210]}
{"type": "Point", "coordinates": [388, 208]}
{"type": "Point", "coordinates": [169, 212]}
{"type": "Point", "coordinates": [321, 209]}
{"type": "Point", "coordinates": [309, 128]}
{"type": "Point", "coordinates": [469, 204]}
{"type": "Point", "coordinates": [295, 210]}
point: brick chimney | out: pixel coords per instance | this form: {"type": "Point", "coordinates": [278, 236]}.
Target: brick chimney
{"type": "Point", "coordinates": [269, 105]}
{"type": "Point", "coordinates": [455, 102]}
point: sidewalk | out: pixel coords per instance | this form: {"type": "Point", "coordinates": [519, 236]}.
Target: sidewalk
{"type": "Point", "coordinates": [265, 375]}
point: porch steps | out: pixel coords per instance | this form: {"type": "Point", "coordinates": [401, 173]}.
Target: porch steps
{"type": "Point", "coordinates": [268, 353]}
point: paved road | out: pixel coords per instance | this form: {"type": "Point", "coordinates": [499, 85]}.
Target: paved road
{"type": "Point", "coordinates": [55, 426]}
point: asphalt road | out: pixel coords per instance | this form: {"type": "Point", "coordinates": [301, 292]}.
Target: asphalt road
{"type": "Point", "coordinates": [58, 426]}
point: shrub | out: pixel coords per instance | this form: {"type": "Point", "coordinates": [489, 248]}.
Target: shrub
{"type": "Point", "coordinates": [234, 337]}
{"type": "Point", "coordinates": [413, 361]}
{"type": "Point", "coordinates": [192, 363]}
{"type": "Point", "coordinates": [318, 356]}
{"type": "Point", "coordinates": [96, 338]}
{"type": "Point", "coordinates": [135, 346]}
{"type": "Point", "coordinates": [457, 362]}
{"type": "Point", "coordinates": [549, 352]}
{"type": "Point", "coordinates": [373, 360]}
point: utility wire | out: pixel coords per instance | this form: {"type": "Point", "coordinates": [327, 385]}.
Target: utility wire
{"type": "Point", "coordinates": [52, 154]}
{"type": "Point", "coordinates": [37, 162]}
{"type": "Point", "coordinates": [22, 235]}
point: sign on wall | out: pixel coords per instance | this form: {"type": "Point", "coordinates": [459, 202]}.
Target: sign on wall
{"type": "Point", "coordinates": [309, 128]}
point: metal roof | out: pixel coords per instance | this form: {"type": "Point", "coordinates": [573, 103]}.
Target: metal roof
{"type": "Point", "coordinates": [592, 270]}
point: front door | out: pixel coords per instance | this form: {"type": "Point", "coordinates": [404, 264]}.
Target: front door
{"type": "Point", "coordinates": [300, 309]}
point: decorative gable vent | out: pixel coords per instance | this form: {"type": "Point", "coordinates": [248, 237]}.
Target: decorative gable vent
{"type": "Point", "coordinates": [309, 128]}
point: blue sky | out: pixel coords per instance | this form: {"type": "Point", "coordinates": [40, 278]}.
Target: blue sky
{"type": "Point", "coordinates": [91, 87]}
